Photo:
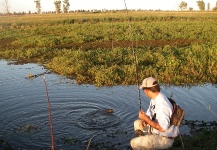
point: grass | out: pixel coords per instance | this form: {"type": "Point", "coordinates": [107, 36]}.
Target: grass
{"type": "Point", "coordinates": [205, 139]}
{"type": "Point", "coordinates": [176, 47]}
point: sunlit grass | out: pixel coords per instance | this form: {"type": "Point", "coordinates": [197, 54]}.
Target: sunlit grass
{"type": "Point", "coordinates": [176, 47]}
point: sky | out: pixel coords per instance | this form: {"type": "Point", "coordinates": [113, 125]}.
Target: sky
{"type": "Point", "coordinates": [48, 5]}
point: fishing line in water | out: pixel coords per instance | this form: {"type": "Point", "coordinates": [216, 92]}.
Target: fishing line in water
{"type": "Point", "coordinates": [135, 57]}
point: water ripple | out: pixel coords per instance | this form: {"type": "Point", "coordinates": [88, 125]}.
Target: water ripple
{"type": "Point", "coordinates": [77, 109]}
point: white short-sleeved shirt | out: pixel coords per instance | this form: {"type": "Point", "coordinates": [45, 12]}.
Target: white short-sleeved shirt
{"type": "Point", "coordinates": [163, 109]}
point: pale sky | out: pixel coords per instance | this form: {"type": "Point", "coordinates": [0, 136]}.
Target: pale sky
{"type": "Point", "coordinates": [48, 5]}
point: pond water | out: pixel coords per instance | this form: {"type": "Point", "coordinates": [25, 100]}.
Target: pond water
{"type": "Point", "coordinates": [78, 110]}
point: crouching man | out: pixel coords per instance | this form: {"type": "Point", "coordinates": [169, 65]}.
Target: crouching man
{"type": "Point", "coordinates": [153, 126]}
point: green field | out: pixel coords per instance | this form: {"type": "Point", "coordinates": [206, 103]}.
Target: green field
{"type": "Point", "coordinates": [178, 48]}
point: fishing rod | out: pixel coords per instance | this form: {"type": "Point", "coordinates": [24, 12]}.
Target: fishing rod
{"type": "Point", "coordinates": [135, 57]}
{"type": "Point", "coordinates": [49, 114]}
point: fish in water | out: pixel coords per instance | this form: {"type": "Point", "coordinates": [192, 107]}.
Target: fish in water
{"type": "Point", "coordinates": [108, 110]}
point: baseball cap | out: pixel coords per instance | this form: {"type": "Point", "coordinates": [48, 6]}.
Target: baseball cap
{"type": "Point", "coordinates": [149, 82]}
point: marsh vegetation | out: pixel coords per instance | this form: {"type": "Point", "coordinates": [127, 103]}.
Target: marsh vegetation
{"type": "Point", "coordinates": [96, 48]}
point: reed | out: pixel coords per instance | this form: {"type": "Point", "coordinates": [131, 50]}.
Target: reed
{"type": "Point", "coordinates": [209, 108]}
{"type": "Point", "coordinates": [49, 115]}
{"type": "Point", "coordinates": [88, 144]}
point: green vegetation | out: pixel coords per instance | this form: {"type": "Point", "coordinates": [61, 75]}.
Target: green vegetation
{"type": "Point", "coordinates": [202, 135]}
{"type": "Point", "coordinates": [176, 47]}
{"type": "Point", "coordinates": [205, 139]}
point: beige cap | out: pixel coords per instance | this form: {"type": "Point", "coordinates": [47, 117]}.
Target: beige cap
{"type": "Point", "coordinates": [149, 82]}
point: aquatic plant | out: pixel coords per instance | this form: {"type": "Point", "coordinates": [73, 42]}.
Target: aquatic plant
{"type": "Point", "coordinates": [176, 48]}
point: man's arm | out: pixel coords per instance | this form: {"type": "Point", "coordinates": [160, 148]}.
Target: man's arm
{"type": "Point", "coordinates": [152, 123]}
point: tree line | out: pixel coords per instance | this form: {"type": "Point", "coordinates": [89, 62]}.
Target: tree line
{"type": "Point", "coordinates": [63, 6]}
{"type": "Point", "coordinates": [57, 4]}
{"type": "Point", "coordinates": [201, 5]}
{"type": "Point", "coordinates": [183, 6]}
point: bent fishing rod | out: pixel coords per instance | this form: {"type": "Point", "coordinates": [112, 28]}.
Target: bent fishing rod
{"type": "Point", "coordinates": [135, 57]}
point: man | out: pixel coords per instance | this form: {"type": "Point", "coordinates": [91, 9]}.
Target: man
{"type": "Point", "coordinates": [154, 125]}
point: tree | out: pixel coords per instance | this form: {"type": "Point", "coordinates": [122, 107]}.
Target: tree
{"type": "Point", "coordinates": [208, 6]}
{"type": "Point", "coordinates": [183, 5]}
{"type": "Point", "coordinates": [66, 6]}
{"type": "Point", "coordinates": [38, 6]}
{"type": "Point", "coordinates": [201, 5]}
{"type": "Point", "coordinates": [215, 8]}
{"type": "Point", "coordinates": [6, 6]}
{"type": "Point", "coordinates": [57, 4]}
{"type": "Point", "coordinates": [190, 9]}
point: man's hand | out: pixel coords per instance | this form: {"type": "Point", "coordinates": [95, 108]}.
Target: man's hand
{"type": "Point", "coordinates": [142, 115]}
{"type": "Point", "coordinates": [147, 120]}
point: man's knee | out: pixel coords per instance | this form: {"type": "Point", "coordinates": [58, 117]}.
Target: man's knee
{"type": "Point", "coordinates": [138, 125]}
{"type": "Point", "coordinates": [134, 143]}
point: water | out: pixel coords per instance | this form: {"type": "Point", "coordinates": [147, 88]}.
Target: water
{"type": "Point", "coordinates": [24, 118]}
